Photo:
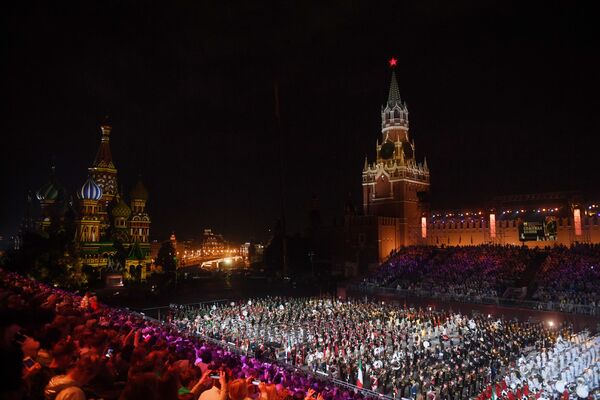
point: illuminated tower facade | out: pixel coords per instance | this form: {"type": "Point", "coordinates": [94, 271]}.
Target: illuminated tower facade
{"type": "Point", "coordinates": [88, 223]}
{"type": "Point", "coordinates": [139, 224]}
{"type": "Point", "coordinates": [120, 213]}
{"type": "Point", "coordinates": [104, 174]}
{"type": "Point", "coordinates": [395, 184]}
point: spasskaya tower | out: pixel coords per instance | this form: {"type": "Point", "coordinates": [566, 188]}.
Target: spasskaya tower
{"type": "Point", "coordinates": [395, 183]}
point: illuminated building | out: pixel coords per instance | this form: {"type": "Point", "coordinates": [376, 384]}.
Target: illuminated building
{"type": "Point", "coordinates": [396, 210]}
{"type": "Point", "coordinates": [252, 252]}
{"type": "Point", "coordinates": [212, 244]}
{"type": "Point", "coordinates": [103, 217]}
{"type": "Point", "coordinates": [104, 173]}
{"type": "Point", "coordinates": [395, 186]}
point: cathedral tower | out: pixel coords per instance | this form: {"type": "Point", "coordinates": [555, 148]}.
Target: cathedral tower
{"type": "Point", "coordinates": [50, 196]}
{"type": "Point", "coordinates": [88, 224]}
{"type": "Point", "coordinates": [120, 213]}
{"type": "Point", "coordinates": [394, 185]}
{"type": "Point", "coordinates": [139, 223]}
{"type": "Point", "coordinates": [104, 174]}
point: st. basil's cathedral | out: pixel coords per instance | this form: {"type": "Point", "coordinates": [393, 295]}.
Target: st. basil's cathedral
{"type": "Point", "coordinates": [100, 214]}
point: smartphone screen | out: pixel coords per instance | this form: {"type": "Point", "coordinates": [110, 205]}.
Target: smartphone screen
{"type": "Point", "coordinates": [28, 362]}
{"type": "Point", "coordinates": [214, 376]}
{"type": "Point", "coordinates": [256, 382]}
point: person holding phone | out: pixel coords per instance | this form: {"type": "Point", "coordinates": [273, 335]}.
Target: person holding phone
{"type": "Point", "coordinates": [218, 390]}
{"type": "Point", "coordinates": [30, 368]}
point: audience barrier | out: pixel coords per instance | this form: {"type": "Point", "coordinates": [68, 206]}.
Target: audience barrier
{"type": "Point", "coordinates": [532, 304]}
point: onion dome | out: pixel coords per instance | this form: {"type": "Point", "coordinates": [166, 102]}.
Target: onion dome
{"type": "Point", "coordinates": [90, 190]}
{"type": "Point", "coordinates": [51, 190]}
{"type": "Point", "coordinates": [121, 209]}
{"type": "Point", "coordinates": [139, 191]}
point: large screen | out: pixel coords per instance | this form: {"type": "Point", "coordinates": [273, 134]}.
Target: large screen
{"type": "Point", "coordinates": [537, 229]}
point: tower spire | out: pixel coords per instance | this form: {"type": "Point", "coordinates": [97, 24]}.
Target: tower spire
{"type": "Point", "coordinates": [394, 113]}
{"type": "Point", "coordinates": [104, 155]}
{"type": "Point", "coordinates": [394, 93]}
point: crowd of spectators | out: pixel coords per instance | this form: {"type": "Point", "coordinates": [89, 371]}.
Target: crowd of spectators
{"type": "Point", "coordinates": [466, 271]}
{"type": "Point", "coordinates": [56, 345]}
{"type": "Point", "coordinates": [569, 276]}
{"type": "Point", "coordinates": [394, 351]}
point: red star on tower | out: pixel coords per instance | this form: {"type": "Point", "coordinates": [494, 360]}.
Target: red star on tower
{"type": "Point", "coordinates": [393, 62]}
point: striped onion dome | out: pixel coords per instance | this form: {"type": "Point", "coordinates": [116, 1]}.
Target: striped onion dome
{"type": "Point", "coordinates": [90, 190]}
{"type": "Point", "coordinates": [121, 209]}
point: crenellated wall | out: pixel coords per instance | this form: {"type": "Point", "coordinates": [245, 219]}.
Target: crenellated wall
{"type": "Point", "coordinates": [477, 231]}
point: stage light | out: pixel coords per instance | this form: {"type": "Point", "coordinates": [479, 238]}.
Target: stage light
{"type": "Point", "coordinates": [551, 323]}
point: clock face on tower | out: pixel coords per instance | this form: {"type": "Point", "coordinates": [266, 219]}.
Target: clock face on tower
{"type": "Point", "coordinates": [387, 150]}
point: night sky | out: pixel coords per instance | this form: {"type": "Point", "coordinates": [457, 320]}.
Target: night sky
{"type": "Point", "coordinates": [503, 96]}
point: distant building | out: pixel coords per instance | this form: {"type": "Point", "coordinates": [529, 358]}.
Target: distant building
{"type": "Point", "coordinates": [210, 246]}
{"type": "Point", "coordinates": [252, 252]}
{"type": "Point", "coordinates": [213, 244]}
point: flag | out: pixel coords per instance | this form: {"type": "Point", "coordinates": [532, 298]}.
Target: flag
{"type": "Point", "coordinates": [359, 380]}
